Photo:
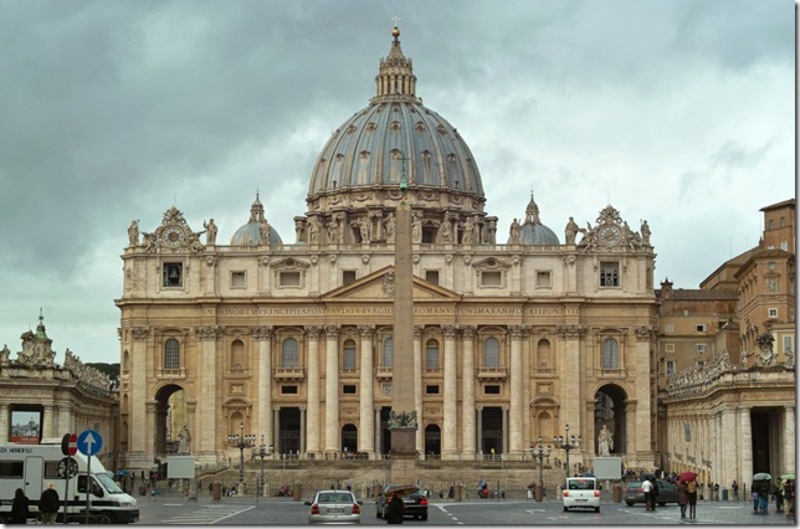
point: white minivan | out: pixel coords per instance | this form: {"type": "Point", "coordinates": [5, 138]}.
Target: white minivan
{"type": "Point", "coordinates": [582, 492]}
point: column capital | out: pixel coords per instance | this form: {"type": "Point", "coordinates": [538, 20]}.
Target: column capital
{"type": "Point", "coordinates": [366, 331]}
{"type": "Point", "coordinates": [449, 331]}
{"type": "Point", "coordinates": [645, 333]}
{"type": "Point", "coordinates": [520, 331]}
{"type": "Point", "coordinates": [209, 332]}
{"type": "Point", "coordinates": [468, 331]}
{"type": "Point", "coordinates": [313, 332]}
{"type": "Point", "coordinates": [418, 330]}
{"type": "Point", "coordinates": [572, 332]}
{"type": "Point", "coordinates": [332, 331]}
{"type": "Point", "coordinates": [264, 332]}
{"type": "Point", "coordinates": [140, 333]}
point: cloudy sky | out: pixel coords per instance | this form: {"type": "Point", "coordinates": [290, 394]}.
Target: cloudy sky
{"type": "Point", "coordinates": [678, 112]}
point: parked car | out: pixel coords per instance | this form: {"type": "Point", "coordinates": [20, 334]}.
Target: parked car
{"type": "Point", "coordinates": [416, 503]}
{"type": "Point", "coordinates": [334, 506]}
{"type": "Point", "coordinates": [581, 492]}
{"type": "Point", "coordinates": [667, 493]}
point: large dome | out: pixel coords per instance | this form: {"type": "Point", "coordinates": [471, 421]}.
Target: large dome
{"type": "Point", "coordinates": [396, 135]}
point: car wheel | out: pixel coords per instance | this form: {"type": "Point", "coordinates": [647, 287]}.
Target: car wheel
{"type": "Point", "coordinates": [597, 509]}
{"type": "Point", "coordinates": [565, 509]}
{"type": "Point", "coordinates": [661, 504]}
{"type": "Point", "coordinates": [630, 503]}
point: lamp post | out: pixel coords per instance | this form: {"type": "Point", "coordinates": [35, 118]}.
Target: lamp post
{"type": "Point", "coordinates": [567, 443]}
{"type": "Point", "coordinates": [539, 453]}
{"type": "Point", "coordinates": [263, 451]}
{"type": "Point", "coordinates": [241, 441]}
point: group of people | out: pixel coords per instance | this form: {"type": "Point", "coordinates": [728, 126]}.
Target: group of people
{"type": "Point", "coordinates": [783, 491]}
{"type": "Point", "coordinates": [687, 495]}
{"type": "Point", "coordinates": [48, 506]}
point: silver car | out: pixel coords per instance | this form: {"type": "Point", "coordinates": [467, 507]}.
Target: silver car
{"type": "Point", "coordinates": [334, 506]}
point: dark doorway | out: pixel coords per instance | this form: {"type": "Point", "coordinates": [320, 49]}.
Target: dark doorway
{"type": "Point", "coordinates": [289, 431]}
{"type": "Point", "coordinates": [433, 440]}
{"type": "Point", "coordinates": [170, 418]}
{"type": "Point", "coordinates": [349, 439]}
{"type": "Point", "coordinates": [385, 443]}
{"type": "Point", "coordinates": [767, 435]}
{"type": "Point", "coordinates": [609, 411]}
{"type": "Point", "coordinates": [492, 434]}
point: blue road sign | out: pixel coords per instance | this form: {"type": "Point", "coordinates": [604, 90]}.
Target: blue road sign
{"type": "Point", "coordinates": [89, 442]}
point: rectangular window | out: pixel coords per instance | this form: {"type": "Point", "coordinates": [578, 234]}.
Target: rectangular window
{"type": "Point", "coordinates": [432, 389]}
{"type": "Point", "coordinates": [784, 246]}
{"type": "Point", "coordinates": [348, 276]}
{"type": "Point", "coordinates": [289, 390]}
{"type": "Point", "coordinates": [290, 279]}
{"type": "Point", "coordinates": [491, 390]}
{"type": "Point", "coordinates": [787, 344]}
{"type": "Point", "coordinates": [669, 328]}
{"type": "Point", "coordinates": [11, 469]}
{"type": "Point", "coordinates": [543, 280]}
{"type": "Point", "coordinates": [237, 280]}
{"type": "Point", "coordinates": [609, 274]}
{"type": "Point", "coordinates": [772, 265]}
{"type": "Point", "coordinates": [783, 222]}
{"type": "Point", "coordinates": [51, 469]}
{"type": "Point", "coordinates": [670, 367]}
{"type": "Point", "coordinates": [772, 313]}
{"type": "Point", "coordinates": [670, 347]}
{"type": "Point", "coordinates": [771, 224]}
{"type": "Point", "coordinates": [349, 389]}
{"type": "Point", "coordinates": [491, 279]}
{"type": "Point", "coordinates": [701, 348]}
{"type": "Point", "coordinates": [701, 328]}
{"type": "Point", "coordinates": [432, 276]}
{"type": "Point", "coordinates": [173, 275]}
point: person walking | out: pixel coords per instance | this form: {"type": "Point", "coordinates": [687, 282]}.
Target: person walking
{"type": "Point", "coordinates": [778, 494]}
{"type": "Point", "coordinates": [19, 508]}
{"type": "Point", "coordinates": [683, 497]}
{"type": "Point", "coordinates": [788, 496]}
{"type": "Point", "coordinates": [647, 489]}
{"type": "Point", "coordinates": [735, 488]}
{"type": "Point", "coordinates": [394, 513]}
{"type": "Point", "coordinates": [691, 490]}
{"type": "Point", "coordinates": [48, 504]}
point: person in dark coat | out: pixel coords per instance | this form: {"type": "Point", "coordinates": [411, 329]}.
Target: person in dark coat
{"type": "Point", "coordinates": [394, 512]}
{"type": "Point", "coordinates": [19, 508]}
{"type": "Point", "coordinates": [48, 505]}
{"type": "Point", "coordinates": [683, 497]}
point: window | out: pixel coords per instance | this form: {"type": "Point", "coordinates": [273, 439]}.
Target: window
{"type": "Point", "coordinates": [701, 348]}
{"type": "Point", "coordinates": [11, 469]}
{"type": "Point", "coordinates": [701, 328]}
{"type": "Point", "coordinates": [237, 280]}
{"type": "Point", "coordinates": [687, 432]}
{"type": "Point", "coordinates": [670, 367]}
{"type": "Point", "coordinates": [432, 276]}
{"type": "Point", "coordinates": [669, 328]}
{"type": "Point", "coordinates": [783, 222]}
{"type": "Point", "coordinates": [771, 224]}
{"type": "Point", "coordinates": [290, 279]}
{"type": "Point", "coordinates": [772, 313]}
{"type": "Point", "coordinates": [670, 347]}
{"type": "Point", "coordinates": [787, 344]}
{"type": "Point", "coordinates": [491, 279]}
{"type": "Point", "coordinates": [172, 354]}
{"type": "Point", "coordinates": [772, 265]}
{"type": "Point", "coordinates": [237, 354]}
{"type": "Point", "coordinates": [173, 275]}
{"type": "Point", "coordinates": [290, 354]}
{"type": "Point", "coordinates": [610, 354]}
{"type": "Point", "coordinates": [432, 389]}
{"type": "Point", "coordinates": [785, 246]}
{"type": "Point", "coordinates": [491, 352]}
{"type": "Point", "coordinates": [609, 274]}
{"type": "Point", "coordinates": [543, 280]}
{"type": "Point", "coordinates": [388, 348]}
{"type": "Point", "coordinates": [491, 390]}
{"type": "Point", "coordinates": [428, 235]}
{"type": "Point", "coordinates": [349, 355]}
{"type": "Point", "coordinates": [432, 355]}
{"type": "Point", "coordinates": [348, 276]}
{"type": "Point", "coordinates": [349, 389]}
{"type": "Point", "coordinates": [289, 390]}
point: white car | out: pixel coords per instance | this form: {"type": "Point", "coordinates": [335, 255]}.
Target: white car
{"type": "Point", "coordinates": [334, 506]}
{"type": "Point", "coordinates": [582, 492]}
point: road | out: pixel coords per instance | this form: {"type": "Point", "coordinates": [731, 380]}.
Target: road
{"type": "Point", "coordinates": [274, 511]}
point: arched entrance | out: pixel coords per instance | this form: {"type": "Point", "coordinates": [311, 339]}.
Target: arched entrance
{"type": "Point", "coordinates": [349, 439]}
{"type": "Point", "coordinates": [170, 418]}
{"type": "Point", "coordinates": [609, 411]}
{"type": "Point", "coordinates": [433, 441]}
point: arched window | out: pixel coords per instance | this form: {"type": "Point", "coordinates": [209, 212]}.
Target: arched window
{"type": "Point", "coordinates": [491, 353]}
{"type": "Point", "coordinates": [290, 357]}
{"type": "Point", "coordinates": [432, 354]}
{"type": "Point", "coordinates": [349, 357]}
{"type": "Point", "coordinates": [610, 354]}
{"type": "Point", "coordinates": [172, 354]}
{"type": "Point", "coordinates": [237, 354]}
{"type": "Point", "coordinates": [388, 351]}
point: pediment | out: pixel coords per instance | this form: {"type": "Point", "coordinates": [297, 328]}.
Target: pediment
{"type": "Point", "coordinates": [380, 285]}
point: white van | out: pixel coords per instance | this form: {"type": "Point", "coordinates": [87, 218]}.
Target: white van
{"type": "Point", "coordinates": [582, 492]}
{"type": "Point", "coordinates": [32, 467]}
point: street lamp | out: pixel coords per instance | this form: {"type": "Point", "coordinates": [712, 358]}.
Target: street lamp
{"type": "Point", "coordinates": [538, 453]}
{"type": "Point", "coordinates": [567, 443]}
{"type": "Point", "coordinates": [241, 441]}
{"type": "Point", "coordinates": [263, 451]}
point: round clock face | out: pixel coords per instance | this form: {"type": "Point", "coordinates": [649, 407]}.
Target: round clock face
{"type": "Point", "coordinates": [609, 235]}
{"type": "Point", "coordinates": [172, 236]}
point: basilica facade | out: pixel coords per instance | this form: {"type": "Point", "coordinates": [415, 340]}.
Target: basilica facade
{"type": "Point", "coordinates": [528, 337]}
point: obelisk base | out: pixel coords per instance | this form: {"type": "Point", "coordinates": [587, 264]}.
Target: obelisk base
{"type": "Point", "coordinates": [404, 456]}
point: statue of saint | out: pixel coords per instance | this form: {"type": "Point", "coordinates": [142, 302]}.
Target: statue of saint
{"type": "Point", "coordinates": [467, 236]}
{"type": "Point", "coordinates": [184, 441]}
{"type": "Point", "coordinates": [514, 232]}
{"type": "Point", "coordinates": [133, 233]}
{"type": "Point", "coordinates": [313, 230]}
{"type": "Point", "coordinates": [266, 231]}
{"type": "Point", "coordinates": [416, 228]}
{"type": "Point", "coordinates": [571, 231]}
{"type": "Point", "coordinates": [645, 233]}
{"type": "Point", "coordinates": [605, 442]}
{"type": "Point", "coordinates": [389, 226]}
{"type": "Point", "coordinates": [332, 228]}
{"type": "Point", "coordinates": [211, 232]}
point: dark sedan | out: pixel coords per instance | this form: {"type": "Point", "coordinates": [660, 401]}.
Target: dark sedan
{"type": "Point", "coordinates": [416, 504]}
{"type": "Point", "coordinates": [667, 493]}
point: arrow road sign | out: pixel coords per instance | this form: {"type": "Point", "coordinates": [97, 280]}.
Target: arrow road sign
{"type": "Point", "coordinates": [89, 442]}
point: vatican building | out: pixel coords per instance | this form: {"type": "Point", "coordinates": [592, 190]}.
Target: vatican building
{"type": "Point", "coordinates": [544, 332]}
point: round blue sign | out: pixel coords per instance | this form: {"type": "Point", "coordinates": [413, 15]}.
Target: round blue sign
{"type": "Point", "coordinates": [89, 442]}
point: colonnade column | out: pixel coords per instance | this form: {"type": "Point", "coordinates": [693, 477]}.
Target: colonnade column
{"type": "Point", "coordinates": [47, 421]}
{"type": "Point", "coordinates": [449, 435]}
{"type": "Point", "coordinates": [515, 406]}
{"type": "Point", "coordinates": [746, 447]}
{"type": "Point", "coordinates": [138, 385]}
{"type": "Point", "coordinates": [5, 420]}
{"type": "Point", "coordinates": [468, 394]}
{"type": "Point", "coordinates": [420, 435]}
{"type": "Point", "coordinates": [312, 391]}
{"type": "Point", "coordinates": [788, 439]}
{"type": "Point", "coordinates": [366, 426]}
{"type": "Point", "coordinates": [208, 384]}
{"type": "Point", "coordinates": [642, 387]}
{"type": "Point", "coordinates": [263, 335]}
{"type": "Point", "coordinates": [331, 388]}
{"type": "Point", "coordinates": [572, 393]}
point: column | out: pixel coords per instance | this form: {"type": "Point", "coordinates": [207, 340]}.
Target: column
{"type": "Point", "coordinates": [515, 405]}
{"type": "Point", "coordinates": [366, 425]}
{"type": "Point", "coordinates": [312, 391]}
{"type": "Point", "coordinates": [479, 420]}
{"type": "Point", "coordinates": [377, 423]}
{"type": "Point", "coordinates": [468, 394]}
{"type": "Point", "coordinates": [208, 384]}
{"type": "Point", "coordinates": [331, 388]}
{"type": "Point", "coordinates": [571, 391]}
{"type": "Point", "coordinates": [745, 450]}
{"type": "Point", "coordinates": [302, 431]}
{"type": "Point", "coordinates": [276, 430]}
{"type": "Point", "coordinates": [788, 438]}
{"type": "Point", "coordinates": [263, 336]}
{"type": "Point", "coordinates": [138, 385]}
{"type": "Point", "coordinates": [449, 448]}
{"type": "Point", "coordinates": [642, 387]}
{"type": "Point", "coordinates": [420, 435]}
{"type": "Point", "coordinates": [5, 422]}
{"type": "Point", "coordinates": [47, 422]}
{"type": "Point", "coordinates": [505, 431]}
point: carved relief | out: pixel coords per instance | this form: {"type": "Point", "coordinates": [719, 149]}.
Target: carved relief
{"type": "Point", "coordinates": [139, 333]}
{"type": "Point", "coordinates": [208, 332]}
{"type": "Point", "coordinates": [571, 331]}
{"type": "Point", "coordinates": [388, 284]}
{"type": "Point", "coordinates": [264, 332]}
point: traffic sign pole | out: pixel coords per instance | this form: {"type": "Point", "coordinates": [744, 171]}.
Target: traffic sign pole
{"type": "Point", "coordinates": [88, 486]}
{"type": "Point", "coordinates": [89, 443]}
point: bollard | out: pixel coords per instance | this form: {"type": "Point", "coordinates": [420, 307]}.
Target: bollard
{"type": "Point", "coordinates": [724, 494]}
{"type": "Point", "coordinates": [617, 493]}
{"type": "Point", "coordinates": [538, 492]}
{"type": "Point", "coordinates": [458, 492]}
{"type": "Point", "coordinates": [216, 491]}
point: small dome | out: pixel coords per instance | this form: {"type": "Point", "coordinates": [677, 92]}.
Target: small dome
{"type": "Point", "coordinates": [251, 233]}
{"type": "Point", "coordinates": [533, 232]}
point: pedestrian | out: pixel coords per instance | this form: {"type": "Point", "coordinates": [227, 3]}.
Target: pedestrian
{"type": "Point", "coordinates": [778, 494]}
{"type": "Point", "coordinates": [20, 508]}
{"type": "Point", "coordinates": [691, 489]}
{"type": "Point", "coordinates": [754, 497]}
{"type": "Point", "coordinates": [48, 504]}
{"type": "Point", "coordinates": [394, 513]}
{"type": "Point", "coordinates": [683, 497]}
{"type": "Point", "coordinates": [788, 496]}
{"type": "Point", "coordinates": [735, 488]}
{"type": "Point", "coordinates": [654, 495]}
{"type": "Point", "coordinates": [647, 489]}
{"type": "Point", "coordinates": [763, 497]}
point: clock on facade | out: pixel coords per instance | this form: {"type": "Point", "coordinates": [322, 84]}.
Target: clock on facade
{"type": "Point", "coordinates": [609, 235]}
{"type": "Point", "coordinates": [172, 236]}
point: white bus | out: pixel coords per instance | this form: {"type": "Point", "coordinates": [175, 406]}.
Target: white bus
{"type": "Point", "coordinates": [32, 467]}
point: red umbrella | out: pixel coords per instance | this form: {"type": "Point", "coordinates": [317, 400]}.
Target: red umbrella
{"type": "Point", "coordinates": [687, 476]}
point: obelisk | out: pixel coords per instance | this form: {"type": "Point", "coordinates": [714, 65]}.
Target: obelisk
{"type": "Point", "coordinates": [403, 417]}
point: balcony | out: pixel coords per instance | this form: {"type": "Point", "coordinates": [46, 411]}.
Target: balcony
{"type": "Point", "coordinates": [171, 374]}
{"type": "Point", "coordinates": [289, 374]}
{"type": "Point", "coordinates": [492, 373]}
{"type": "Point", "coordinates": [383, 373]}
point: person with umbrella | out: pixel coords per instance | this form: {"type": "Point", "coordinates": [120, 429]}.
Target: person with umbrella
{"type": "Point", "coordinates": [761, 484]}
{"type": "Point", "coordinates": [394, 512]}
{"type": "Point", "coordinates": [683, 497]}
{"type": "Point", "coordinates": [690, 478]}
{"type": "Point", "coordinates": [788, 493]}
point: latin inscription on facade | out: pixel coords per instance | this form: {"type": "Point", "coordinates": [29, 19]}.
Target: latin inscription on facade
{"type": "Point", "coordinates": [384, 311]}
